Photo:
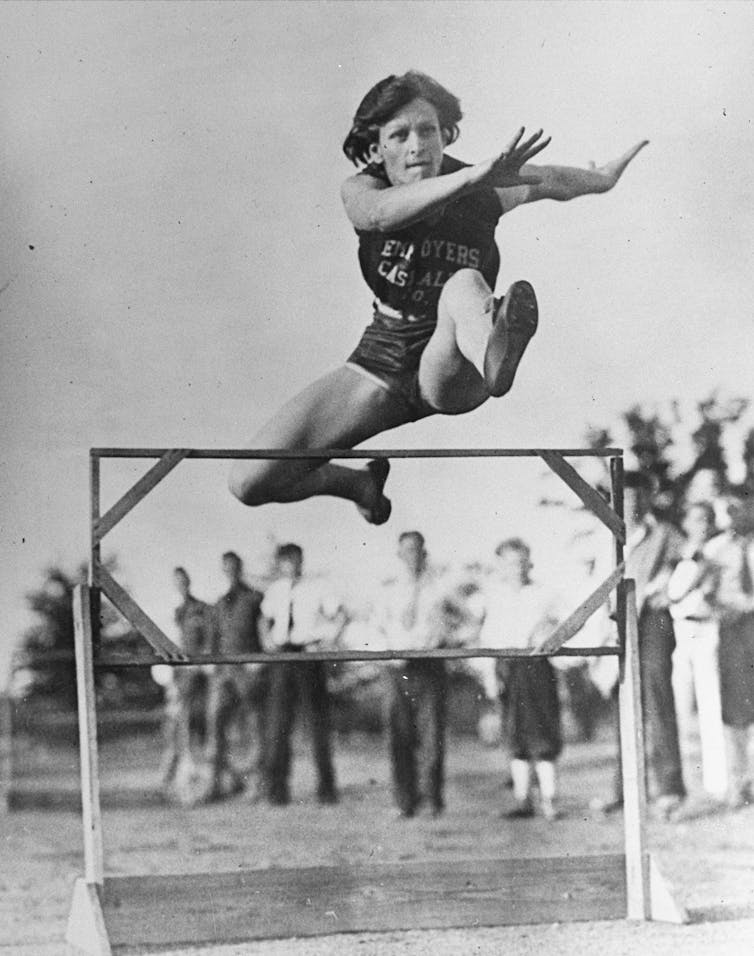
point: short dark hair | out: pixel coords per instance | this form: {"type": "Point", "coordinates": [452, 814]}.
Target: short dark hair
{"type": "Point", "coordinates": [513, 544]}
{"type": "Point", "coordinates": [388, 96]}
{"type": "Point", "coordinates": [232, 556]}
{"type": "Point", "coordinates": [182, 571]}
{"type": "Point", "coordinates": [415, 535]}
{"type": "Point", "coordinates": [291, 552]}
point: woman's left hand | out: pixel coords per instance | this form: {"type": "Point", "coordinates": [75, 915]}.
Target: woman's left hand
{"type": "Point", "coordinates": [613, 170]}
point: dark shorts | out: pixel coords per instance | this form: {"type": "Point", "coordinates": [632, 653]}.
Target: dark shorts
{"type": "Point", "coordinates": [389, 352]}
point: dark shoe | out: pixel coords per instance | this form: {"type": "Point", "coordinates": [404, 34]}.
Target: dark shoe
{"type": "Point", "coordinates": [522, 811]}
{"type": "Point", "coordinates": [278, 798]}
{"type": "Point", "coordinates": [514, 324]}
{"type": "Point", "coordinates": [378, 512]}
{"type": "Point", "coordinates": [327, 797]}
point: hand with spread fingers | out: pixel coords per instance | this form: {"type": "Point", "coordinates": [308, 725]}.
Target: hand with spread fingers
{"type": "Point", "coordinates": [504, 170]}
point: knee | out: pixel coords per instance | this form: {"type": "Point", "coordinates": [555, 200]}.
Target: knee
{"type": "Point", "coordinates": [245, 482]}
{"type": "Point", "coordinates": [464, 285]}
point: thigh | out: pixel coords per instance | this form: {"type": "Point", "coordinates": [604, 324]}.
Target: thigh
{"type": "Point", "coordinates": [448, 380]}
{"type": "Point", "coordinates": [342, 408]}
{"type": "Point", "coordinates": [339, 410]}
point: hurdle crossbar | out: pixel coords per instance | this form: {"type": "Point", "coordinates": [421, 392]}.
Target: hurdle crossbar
{"type": "Point", "coordinates": [106, 910]}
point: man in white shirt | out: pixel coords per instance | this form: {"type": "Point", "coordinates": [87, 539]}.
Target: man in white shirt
{"type": "Point", "coordinates": [653, 549]}
{"type": "Point", "coordinates": [298, 614]}
{"type": "Point", "coordinates": [733, 554]}
{"type": "Point", "coordinates": [519, 613]}
{"type": "Point", "coordinates": [696, 671]}
{"type": "Point", "coordinates": [415, 690]}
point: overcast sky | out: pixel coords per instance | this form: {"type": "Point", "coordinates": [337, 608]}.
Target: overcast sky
{"type": "Point", "coordinates": [176, 261]}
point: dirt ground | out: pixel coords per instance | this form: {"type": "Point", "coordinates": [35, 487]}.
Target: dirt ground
{"type": "Point", "coordinates": [707, 857]}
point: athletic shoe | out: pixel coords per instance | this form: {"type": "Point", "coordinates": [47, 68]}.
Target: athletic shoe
{"type": "Point", "coordinates": [514, 323]}
{"type": "Point", "coordinates": [379, 512]}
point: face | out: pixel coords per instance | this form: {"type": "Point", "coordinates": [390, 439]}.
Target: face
{"type": "Point", "coordinates": [513, 566]}
{"type": "Point", "coordinates": [696, 524]}
{"type": "Point", "coordinates": [411, 552]}
{"type": "Point", "coordinates": [410, 144]}
{"type": "Point", "coordinates": [182, 583]}
{"type": "Point", "coordinates": [704, 486]}
{"type": "Point", "coordinates": [740, 517]}
{"type": "Point", "coordinates": [289, 568]}
{"type": "Point", "coordinates": [231, 570]}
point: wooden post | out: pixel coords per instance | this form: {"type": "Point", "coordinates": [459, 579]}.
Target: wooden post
{"type": "Point", "coordinates": [92, 819]}
{"type": "Point", "coordinates": [632, 757]}
{"type": "Point", "coordinates": [6, 751]}
{"type": "Point", "coordinates": [95, 551]}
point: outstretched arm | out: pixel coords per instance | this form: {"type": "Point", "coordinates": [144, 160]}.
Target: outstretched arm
{"type": "Point", "coordinates": [567, 182]}
{"type": "Point", "coordinates": [374, 206]}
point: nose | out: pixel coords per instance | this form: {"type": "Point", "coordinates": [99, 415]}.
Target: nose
{"type": "Point", "coordinates": [413, 142]}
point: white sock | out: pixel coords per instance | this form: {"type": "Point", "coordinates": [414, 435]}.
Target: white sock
{"type": "Point", "coordinates": [521, 773]}
{"type": "Point", "coordinates": [546, 777]}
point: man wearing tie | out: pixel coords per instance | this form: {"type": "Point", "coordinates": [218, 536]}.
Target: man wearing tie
{"type": "Point", "coordinates": [298, 614]}
{"type": "Point", "coordinates": [733, 552]}
{"type": "Point", "coordinates": [415, 700]}
{"type": "Point", "coordinates": [653, 548]}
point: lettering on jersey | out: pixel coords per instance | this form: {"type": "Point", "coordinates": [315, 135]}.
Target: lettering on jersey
{"type": "Point", "coordinates": [454, 252]}
{"type": "Point", "coordinates": [395, 262]}
{"type": "Point", "coordinates": [421, 270]}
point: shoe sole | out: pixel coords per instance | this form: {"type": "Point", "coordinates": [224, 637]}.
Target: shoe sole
{"type": "Point", "coordinates": [515, 323]}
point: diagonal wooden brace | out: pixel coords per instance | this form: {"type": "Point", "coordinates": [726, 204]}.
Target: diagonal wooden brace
{"type": "Point", "coordinates": [135, 494]}
{"type": "Point", "coordinates": [131, 611]}
{"type": "Point", "coordinates": [575, 621]}
{"type": "Point", "coordinates": [589, 496]}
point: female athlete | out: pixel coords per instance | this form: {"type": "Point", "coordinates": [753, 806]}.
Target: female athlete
{"type": "Point", "coordinates": [439, 342]}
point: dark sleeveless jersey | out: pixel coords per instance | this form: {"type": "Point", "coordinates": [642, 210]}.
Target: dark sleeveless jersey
{"type": "Point", "coordinates": [407, 269]}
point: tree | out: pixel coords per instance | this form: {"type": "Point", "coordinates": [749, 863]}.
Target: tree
{"type": "Point", "coordinates": [44, 662]}
{"type": "Point", "coordinates": [654, 436]}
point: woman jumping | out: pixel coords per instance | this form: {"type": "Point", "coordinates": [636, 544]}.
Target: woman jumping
{"type": "Point", "coordinates": [439, 342]}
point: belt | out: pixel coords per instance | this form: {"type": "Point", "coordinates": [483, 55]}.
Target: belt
{"type": "Point", "coordinates": [391, 313]}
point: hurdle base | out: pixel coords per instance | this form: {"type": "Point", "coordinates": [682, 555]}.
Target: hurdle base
{"type": "Point", "coordinates": [159, 910]}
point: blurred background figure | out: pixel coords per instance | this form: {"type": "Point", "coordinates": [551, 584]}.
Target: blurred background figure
{"type": "Point", "coordinates": [186, 687]}
{"type": "Point", "coordinates": [653, 548]}
{"type": "Point", "coordinates": [517, 614]}
{"type": "Point", "coordinates": [233, 691]}
{"type": "Point", "coordinates": [411, 618]}
{"type": "Point", "coordinates": [299, 613]}
{"type": "Point", "coordinates": [733, 552]}
{"type": "Point", "coordinates": [696, 673]}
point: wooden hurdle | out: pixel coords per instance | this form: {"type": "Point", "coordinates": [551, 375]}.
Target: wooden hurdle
{"type": "Point", "coordinates": [159, 910]}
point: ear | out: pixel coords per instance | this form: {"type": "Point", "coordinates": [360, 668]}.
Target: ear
{"type": "Point", "coordinates": [375, 156]}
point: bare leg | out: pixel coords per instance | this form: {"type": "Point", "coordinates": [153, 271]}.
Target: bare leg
{"type": "Point", "coordinates": [339, 410]}
{"type": "Point", "coordinates": [451, 372]}
{"type": "Point", "coordinates": [475, 349]}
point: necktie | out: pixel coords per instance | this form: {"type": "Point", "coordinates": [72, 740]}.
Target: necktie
{"type": "Point", "coordinates": [290, 614]}
{"type": "Point", "coordinates": [410, 611]}
{"type": "Point", "coordinates": [746, 581]}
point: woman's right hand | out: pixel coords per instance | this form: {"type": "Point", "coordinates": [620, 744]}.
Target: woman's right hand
{"type": "Point", "coordinates": [504, 170]}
